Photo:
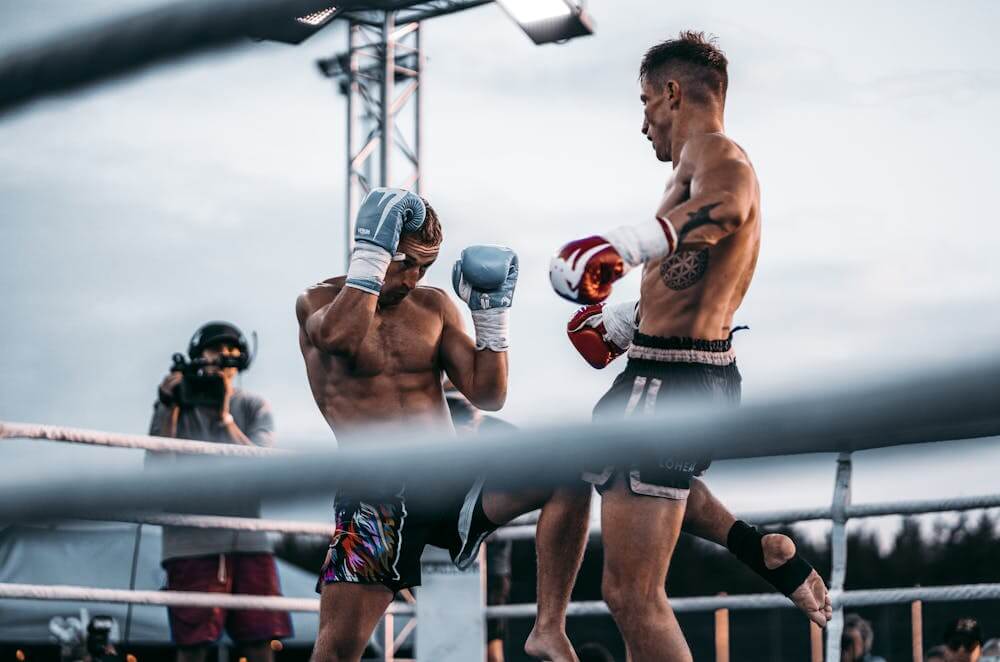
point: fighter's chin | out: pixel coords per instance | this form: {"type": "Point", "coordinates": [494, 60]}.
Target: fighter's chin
{"type": "Point", "coordinates": [660, 153]}
{"type": "Point", "coordinates": [393, 298]}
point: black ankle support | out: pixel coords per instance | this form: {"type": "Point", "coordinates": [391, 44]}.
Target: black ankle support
{"type": "Point", "coordinates": [744, 541]}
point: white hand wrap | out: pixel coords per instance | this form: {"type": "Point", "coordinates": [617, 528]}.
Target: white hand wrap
{"type": "Point", "coordinates": [367, 268]}
{"type": "Point", "coordinates": [619, 323]}
{"type": "Point", "coordinates": [638, 244]}
{"type": "Point", "coordinates": [492, 328]}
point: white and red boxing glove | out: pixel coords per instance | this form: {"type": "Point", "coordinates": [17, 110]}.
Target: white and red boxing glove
{"type": "Point", "coordinates": [584, 270]}
{"type": "Point", "coordinates": [603, 333]}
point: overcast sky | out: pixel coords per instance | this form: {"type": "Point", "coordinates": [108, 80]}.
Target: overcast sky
{"type": "Point", "coordinates": [213, 188]}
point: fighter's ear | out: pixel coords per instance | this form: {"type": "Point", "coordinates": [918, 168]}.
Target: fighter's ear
{"type": "Point", "coordinates": [672, 90]}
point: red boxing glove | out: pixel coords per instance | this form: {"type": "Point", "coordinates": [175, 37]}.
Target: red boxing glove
{"type": "Point", "coordinates": [602, 333]}
{"type": "Point", "coordinates": [583, 270]}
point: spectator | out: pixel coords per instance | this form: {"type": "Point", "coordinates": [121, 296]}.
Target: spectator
{"type": "Point", "coordinates": [963, 640]}
{"type": "Point", "coordinates": [198, 400]}
{"type": "Point", "coordinates": [856, 641]}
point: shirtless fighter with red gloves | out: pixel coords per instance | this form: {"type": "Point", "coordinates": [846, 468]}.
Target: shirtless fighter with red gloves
{"type": "Point", "coordinates": [376, 347]}
{"type": "Point", "coordinates": [698, 256]}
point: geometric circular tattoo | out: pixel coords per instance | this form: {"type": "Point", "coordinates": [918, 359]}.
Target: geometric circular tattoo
{"type": "Point", "coordinates": [684, 268]}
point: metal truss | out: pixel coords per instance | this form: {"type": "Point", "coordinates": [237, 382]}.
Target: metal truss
{"type": "Point", "coordinates": [380, 75]}
{"type": "Point", "coordinates": [408, 11]}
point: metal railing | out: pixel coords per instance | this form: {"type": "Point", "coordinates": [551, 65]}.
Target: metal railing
{"type": "Point", "coordinates": [839, 513]}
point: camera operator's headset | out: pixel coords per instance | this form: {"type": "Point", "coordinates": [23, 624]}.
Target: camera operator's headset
{"type": "Point", "coordinates": [214, 333]}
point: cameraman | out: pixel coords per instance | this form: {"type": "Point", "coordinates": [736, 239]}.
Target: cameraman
{"type": "Point", "coordinates": [197, 400]}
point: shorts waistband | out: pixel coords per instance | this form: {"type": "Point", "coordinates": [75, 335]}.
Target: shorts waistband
{"type": "Point", "coordinates": [676, 349]}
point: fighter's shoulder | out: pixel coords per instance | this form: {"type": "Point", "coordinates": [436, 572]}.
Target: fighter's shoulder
{"type": "Point", "coordinates": [430, 297]}
{"type": "Point", "coordinates": [318, 295]}
{"type": "Point", "coordinates": [434, 299]}
{"type": "Point", "coordinates": [711, 147]}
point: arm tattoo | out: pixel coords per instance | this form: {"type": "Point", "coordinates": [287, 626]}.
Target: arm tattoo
{"type": "Point", "coordinates": [698, 219]}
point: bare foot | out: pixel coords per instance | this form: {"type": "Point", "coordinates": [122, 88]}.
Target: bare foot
{"type": "Point", "coordinates": [549, 645]}
{"type": "Point", "coordinates": [811, 597]}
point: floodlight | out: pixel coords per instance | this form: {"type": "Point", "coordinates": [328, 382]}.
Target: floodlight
{"type": "Point", "coordinates": [297, 29]}
{"type": "Point", "coordinates": [546, 21]}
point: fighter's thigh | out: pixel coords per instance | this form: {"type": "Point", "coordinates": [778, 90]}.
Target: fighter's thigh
{"type": "Point", "coordinates": [348, 614]}
{"type": "Point", "coordinates": [501, 506]}
{"type": "Point", "coordinates": [639, 533]}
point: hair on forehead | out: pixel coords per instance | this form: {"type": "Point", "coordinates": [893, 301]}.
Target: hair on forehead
{"type": "Point", "coordinates": [429, 233]}
{"type": "Point", "coordinates": [692, 58]}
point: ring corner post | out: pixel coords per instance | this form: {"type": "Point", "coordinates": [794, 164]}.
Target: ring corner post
{"type": "Point", "coordinates": [838, 552]}
{"type": "Point", "coordinates": [451, 624]}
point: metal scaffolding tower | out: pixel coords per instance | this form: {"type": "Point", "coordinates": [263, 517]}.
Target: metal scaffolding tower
{"type": "Point", "coordinates": [380, 76]}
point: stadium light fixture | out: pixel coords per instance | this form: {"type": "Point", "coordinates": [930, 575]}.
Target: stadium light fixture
{"type": "Point", "coordinates": [547, 21]}
{"type": "Point", "coordinates": [297, 29]}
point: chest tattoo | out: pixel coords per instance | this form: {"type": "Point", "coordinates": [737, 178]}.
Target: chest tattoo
{"type": "Point", "coordinates": [683, 269]}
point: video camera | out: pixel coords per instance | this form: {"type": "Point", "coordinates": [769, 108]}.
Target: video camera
{"type": "Point", "coordinates": [85, 639]}
{"type": "Point", "coordinates": [99, 637]}
{"type": "Point", "coordinates": [201, 386]}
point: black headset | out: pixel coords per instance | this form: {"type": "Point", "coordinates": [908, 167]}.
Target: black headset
{"type": "Point", "coordinates": [214, 333]}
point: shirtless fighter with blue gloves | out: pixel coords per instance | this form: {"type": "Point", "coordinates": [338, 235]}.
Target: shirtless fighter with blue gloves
{"type": "Point", "coordinates": [376, 346]}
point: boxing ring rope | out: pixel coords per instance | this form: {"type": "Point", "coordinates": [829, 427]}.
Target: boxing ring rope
{"type": "Point", "coordinates": [219, 522]}
{"type": "Point", "coordinates": [955, 405]}
{"type": "Point", "coordinates": [169, 598]}
{"type": "Point", "coordinates": [863, 598]}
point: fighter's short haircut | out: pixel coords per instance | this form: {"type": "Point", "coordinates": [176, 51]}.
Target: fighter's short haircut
{"type": "Point", "coordinates": [693, 59]}
{"type": "Point", "coordinates": [430, 232]}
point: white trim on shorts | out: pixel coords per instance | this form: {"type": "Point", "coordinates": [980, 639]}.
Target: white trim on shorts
{"type": "Point", "coordinates": [465, 557]}
{"type": "Point", "coordinates": [727, 357]}
{"type": "Point", "coordinates": [650, 388]}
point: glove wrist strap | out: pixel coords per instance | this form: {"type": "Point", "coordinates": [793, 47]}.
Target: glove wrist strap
{"type": "Point", "coordinates": [367, 268]}
{"type": "Point", "coordinates": [640, 243]}
{"type": "Point", "coordinates": [619, 322]}
{"type": "Point", "coordinates": [492, 329]}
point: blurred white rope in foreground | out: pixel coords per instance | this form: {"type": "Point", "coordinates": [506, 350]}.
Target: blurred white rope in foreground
{"type": "Point", "coordinates": [957, 403]}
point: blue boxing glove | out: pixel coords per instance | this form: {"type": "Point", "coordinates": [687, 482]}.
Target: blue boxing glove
{"type": "Point", "coordinates": [484, 278]}
{"type": "Point", "coordinates": [384, 214]}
